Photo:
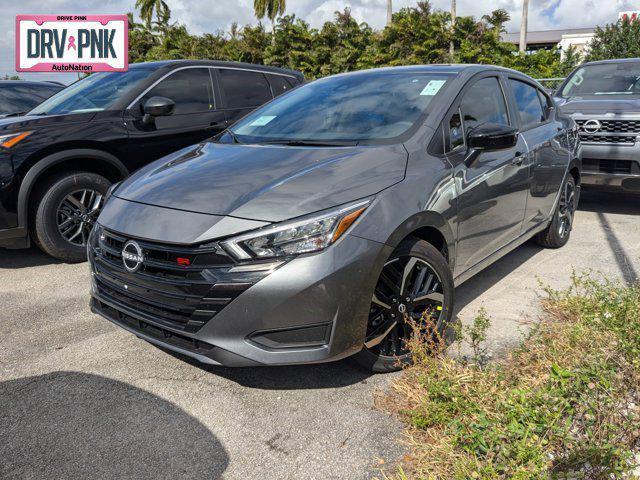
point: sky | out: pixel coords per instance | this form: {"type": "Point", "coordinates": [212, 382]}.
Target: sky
{"type": "Point", "coordinates": [211, 15]}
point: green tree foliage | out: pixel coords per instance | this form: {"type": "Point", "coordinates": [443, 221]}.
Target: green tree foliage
{"type": "Point", "coordinates": [616, 40]}
{"type": "Point", "coordinates": [417, 35]}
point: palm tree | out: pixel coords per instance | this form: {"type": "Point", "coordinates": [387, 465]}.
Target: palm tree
{"type": "Point", "coordinates": [523, 25]}
{"type": "Point", "coordinates": [147, 8]}
{"type": "Point", "coordinates": [453, 28]}
{"type": "Point", "coordinates": [389, 11]}
{"type": "Point", "coordinates": [271, 9]}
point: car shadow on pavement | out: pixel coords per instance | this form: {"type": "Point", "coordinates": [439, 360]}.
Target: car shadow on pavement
{"type": "Point", "coordinates": [77, 425]}
{"type": "Point", "coordinates": [31, 257]}
{"type": "Point", "coordinates": [609, 202]}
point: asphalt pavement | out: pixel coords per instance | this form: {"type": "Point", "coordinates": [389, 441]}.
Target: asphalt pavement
{"type": "Point", "coordinates": [80, 398]}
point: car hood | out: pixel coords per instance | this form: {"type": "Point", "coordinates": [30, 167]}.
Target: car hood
{"type": "Point", "coordinates": [264, 182]}
{"type": "Point", "coordinates": [599, 105]}
{"type": "Point", "coordinates": [28, 122]}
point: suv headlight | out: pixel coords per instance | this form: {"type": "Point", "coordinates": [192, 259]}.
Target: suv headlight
{"type": "Point", "coordinates": [11, 139]}
{"type": "Point", "coordinates": [293, 238]}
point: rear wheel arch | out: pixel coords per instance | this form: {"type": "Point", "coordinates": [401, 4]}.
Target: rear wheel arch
{"type": "Point", "coordinates": [102, 163]}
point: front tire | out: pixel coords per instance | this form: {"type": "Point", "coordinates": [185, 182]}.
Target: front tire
{"type": "Point", "coordinates": [559, 230]}
{"type": "Point", "coordinates": [415, 281]}
{"type": "Point", "coordinates": [67, 207]}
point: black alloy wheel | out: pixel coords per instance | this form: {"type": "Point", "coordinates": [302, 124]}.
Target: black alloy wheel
{"type": "Point", "coordinates": [65, 210]}
{"type": "Point", "coordinates": [557, 234]}
{"type": "Point", "coordinates": [76, 215]}
{"type": "Point", "coordinates": [415, 286]}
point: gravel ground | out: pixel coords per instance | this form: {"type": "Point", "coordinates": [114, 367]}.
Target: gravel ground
{"type": "Point", "coordinates": [80, 398]}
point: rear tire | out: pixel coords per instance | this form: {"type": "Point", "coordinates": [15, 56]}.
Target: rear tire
{"type": "Point", "coordinates": [421, 271]}
{"type": "Point", "coordinates": [65, 210]}
{"type": "Point", "coordinates": [559, 230]}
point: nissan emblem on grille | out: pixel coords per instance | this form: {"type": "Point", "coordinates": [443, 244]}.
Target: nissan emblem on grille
{"type": "Point", "coordinates": [132, 256]}
{"type": "Point", "coordinates": [592, 126]}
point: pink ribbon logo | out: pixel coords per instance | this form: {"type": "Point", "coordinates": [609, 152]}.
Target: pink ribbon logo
{"type": "Point", "coordinates": [72, 43]}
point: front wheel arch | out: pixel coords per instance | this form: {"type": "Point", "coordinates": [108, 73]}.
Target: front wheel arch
{"type": "Point", "coordinates": [102, 163]}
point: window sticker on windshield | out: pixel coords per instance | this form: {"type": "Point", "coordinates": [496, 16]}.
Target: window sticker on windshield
{"type": "Point", "coordinates": [432, 87]}
{"type": "Point", "coordinates": [262, 121]}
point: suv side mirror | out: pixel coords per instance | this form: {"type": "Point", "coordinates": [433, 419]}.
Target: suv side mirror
{"type": "Point", "coordinates": [157, 107]}
{"type": "Point", "coordinates": [490, 137]}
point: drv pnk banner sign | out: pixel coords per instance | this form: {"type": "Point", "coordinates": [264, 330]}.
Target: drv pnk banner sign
{"type": "Point", "coordinates": [72, 43]}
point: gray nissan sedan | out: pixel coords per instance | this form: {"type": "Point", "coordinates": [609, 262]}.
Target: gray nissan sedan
{"type": "Point", "coordinates": [320, 225]}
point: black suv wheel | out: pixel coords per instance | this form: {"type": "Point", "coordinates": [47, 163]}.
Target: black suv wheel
{"type": "Point", "coordinates": [67, 207]}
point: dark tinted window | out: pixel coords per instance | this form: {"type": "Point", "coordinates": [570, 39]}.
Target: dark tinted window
{"type": "Point", "coordinates": [190, 89]}
{"type": "Point", "coordinates": [22, 98]}
{"type": "Point", "coordinates": [279, 84]}
{"type": "Point", "coordinates": [528, 102]}
{"type": "Point", "coordinates": [244, 89]}
{"type": "Point", "coordinates": [484, 103]}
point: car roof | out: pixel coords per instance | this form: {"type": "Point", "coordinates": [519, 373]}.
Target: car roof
{"type": "Point", "coordinates": [615, 60]}
{"type": "Point", "coordinates": [168, 64]}
{"type": "Point", "coordinates": [454, 68]}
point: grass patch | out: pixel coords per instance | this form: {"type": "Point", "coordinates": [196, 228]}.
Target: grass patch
{"type": "Point", "coordinates": [565, 404]}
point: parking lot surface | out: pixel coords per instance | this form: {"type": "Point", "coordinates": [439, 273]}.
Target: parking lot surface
{"type": "Point", "coordinates": [80, 398]}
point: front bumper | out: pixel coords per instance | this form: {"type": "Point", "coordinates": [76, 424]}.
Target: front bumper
{"type": "Point", "coordinates": [611, 167]}
{"type": "Point", "coordinates": [312, 309]}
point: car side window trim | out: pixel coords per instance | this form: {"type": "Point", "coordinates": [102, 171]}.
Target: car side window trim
{"type": "Point", "coordinates": [146, 90]}
{"type": "Point", "coordinates": [456, 107]}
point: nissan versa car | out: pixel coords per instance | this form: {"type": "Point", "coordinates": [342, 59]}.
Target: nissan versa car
{"type": "Point", "coordinates": [57, 162]}
{"type": "Point", "coordinates": [604, 100]}
{"type": "Point", "coordinates": [320, 224]}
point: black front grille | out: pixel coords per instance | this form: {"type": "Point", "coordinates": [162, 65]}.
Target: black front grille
{"type": "Point", "coordinates": [623, 167]}
{"type": "Point", "coordinates": [615, 126]}
{"type": "Point", "coordinates": [618, 139]}
{"type": "Point", "coordinates": [622, 132]}
{"type": "Point", "coordinates": [181, 287]}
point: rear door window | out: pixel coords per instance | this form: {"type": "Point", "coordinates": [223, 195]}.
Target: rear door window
{"type": "Point", "coordinates": [190, 89]}
{"type": "Point", "coordinates": [279, 84]}
{"type": "Point", "coordinates": [244, 89]}
{"type": "Point", "coordinates": [529, 104]}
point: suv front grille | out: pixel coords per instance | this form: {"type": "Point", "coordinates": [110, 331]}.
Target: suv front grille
{"type": "Point", "coordinates": [162, 291]}
{"type": "Point", "coordinates": [621, 132]}
{"type": "Point", "coordinates": [593, 165]}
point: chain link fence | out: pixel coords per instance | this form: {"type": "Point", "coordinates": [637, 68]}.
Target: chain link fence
{"type": "Point", "coordinates": [550, 84]}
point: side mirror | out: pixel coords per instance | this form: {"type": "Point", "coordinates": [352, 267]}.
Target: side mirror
{"type": "Point", "coordinates": [157, 107]}
{"type": "Point", "coordinates": [490, 137]}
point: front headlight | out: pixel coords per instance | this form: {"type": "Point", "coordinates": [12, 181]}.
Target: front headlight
{"type": "Point", "coordinates": [293, 238]}
{"type": "Point", "coordinates": [11, 139]}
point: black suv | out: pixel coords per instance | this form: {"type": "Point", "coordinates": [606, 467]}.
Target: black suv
{"type": "Point", "coordinates": [58, 161]}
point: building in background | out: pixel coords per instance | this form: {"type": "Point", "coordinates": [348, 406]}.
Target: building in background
{"type": "Point", "coordinates": [560, 39]}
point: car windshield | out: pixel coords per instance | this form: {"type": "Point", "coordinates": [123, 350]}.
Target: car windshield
{"type": "Point", "coordinates": [344, 109]}
{"type": "Point", "coordinates": [93, 93]}
{"type": "Point", "coordinates": [604, 79]}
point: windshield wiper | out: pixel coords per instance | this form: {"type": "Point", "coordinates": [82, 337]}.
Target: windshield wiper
{"type": "Point", "coordinates": [313, 143]}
